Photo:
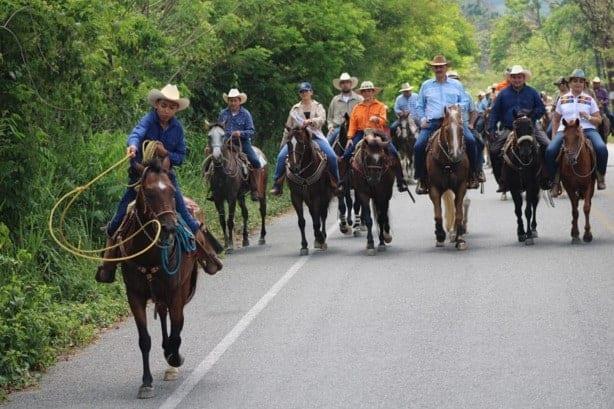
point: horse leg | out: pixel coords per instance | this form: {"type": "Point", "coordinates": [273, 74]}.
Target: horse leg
{"type": "Point", "coordinates": [245, 216]}
{"type": "Point", "coordinates": [262, 240]}
{"type": "Point", "coordinates": [366, 212]}
{"type": "Point", "coordinates": [449, 214]}
{"type": "Point", "coordinates": [520, 232]}
{"type": "Point", "coordinates": [232, 207]}
{"type": "Point", "coordinates": [459, 202]}
{"type": "Point", "coordinates": [171, 373]}
{"type": "Point", "coordinates": [534, 203]}
{"type": "Point", "coordinates": [137, 306]}
{"type": "Point", "coordinates": [528, 213]}
{"type": "Point", "coordinates": [575, 232]}
{"type": "Point", "coordinates": [588, 198]}
{"type": "Point", "coordinates": [386, 221]}
{"type": "Point", "coordinates": [171, 354]}
{"type": "Point", "coordinates": [221, 211]}
{"type": "Point", "coordinates": [314, 211]}
{"type": "Point", "coordinates": [341, 206]}
{"type": "Point", "coordinates": [297, 202]}
{"type": "Point", "coordinates": [440, 233]}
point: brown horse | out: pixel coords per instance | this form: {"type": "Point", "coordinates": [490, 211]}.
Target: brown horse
{"type": "Point", "coordinates": [447, 166]}
{"type": "Point", "coordinates": [166, 273]}
{"type": "Point", "coordinates": [373, 177]}
{"type": "Point", "coordinates": [577, 170]}
{"type": "Point", "coordinates": [309, 183]}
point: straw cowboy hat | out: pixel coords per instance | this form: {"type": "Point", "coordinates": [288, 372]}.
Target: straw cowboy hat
{"type": "Point", "coordinates": [481, 94]}
{"type": "Point", "coordinates": [453, 75]}
{"type": "Point", "coordinates": [438, 60]}
{"type": "Point", "coordinates": [366, 85]}
{"type": "Point", "coordinates": [597, 80]}
{"type": "Point", "coordinates": [169, 93]}
{"type": "Point", "coordinates": [234, 93]}
{"type": "Point", "coordinates": [517, 69]}
{"type": "Point", "coordinates": [345, 77]}
{"type": "Point", "coordinates": [406, 87]}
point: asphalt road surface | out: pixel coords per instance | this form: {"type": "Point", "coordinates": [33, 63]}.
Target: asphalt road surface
{"type": "Point", "coordinates": [501, 325]}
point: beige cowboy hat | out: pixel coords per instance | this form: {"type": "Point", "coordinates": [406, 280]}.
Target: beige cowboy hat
{"type": "Point", "coordinates": [365, 85]}
{"type": "Point", "coordinates": [345, 77]}
{"type": "Point", "coordinates": [438, 60]}
{"type": "Point", "coordinates": [234, 93]}
{"type": "Point", "coordinates": [169, 93]}
{"type": "Point", "coordinates": [481, 94]}
{"type": "Point", "coordinates": [597, 79]}
{"type": "Point", "coordinates": [406, 87]}
{"type": "Point", "coordinates": [517, 69]}
{"type": "Point", "coordinates": [453, 75]}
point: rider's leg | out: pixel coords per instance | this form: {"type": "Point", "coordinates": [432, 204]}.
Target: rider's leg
{"type": "Point", "coordinates": [279, 170]}
{"type": "Point", "coordinates": [398, 170]}
{"type": "Point", "coordinates": [393, 127]}
{"type": "Point", "coordinates": [333, 136]}
{"type": "Point", "coordinates": [254, 174]}
{"type": "Point", "coordinates": [420, 153]}
{"type": "Point", "coordinates": [552, 151]}
{"type": "Point", "coordinates": [181, 208]}
{"type": "Point", "coordinates": [496, 146]}
{"type": "Point", "coordinates": [601, 151]}
{"type": "Point", "coordinates": [472, 153]}
{"type": "Point", "coordinates": [333, 166]}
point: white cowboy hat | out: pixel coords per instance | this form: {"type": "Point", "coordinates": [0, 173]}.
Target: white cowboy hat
{"type": "Point", "coordinates": [169, 93]}
{"type": "Point", "coordinates": [365, 85]}
{"type": "Point", "coordinates": [406, 87]}
{"type": "Point", "coordinates": [345, 77]}
{"type": "Point", "coordinates": [597, 79]}
{"type": "Point", "coordinates": [234, 93]}
{"type": "Point", "coordinates": [453, 75]}
{"type": "Point", "coordinates": [517, 69]}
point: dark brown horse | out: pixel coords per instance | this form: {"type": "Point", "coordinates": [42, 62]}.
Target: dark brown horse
{"type": "Point", "coordinates": [373, 178]}
{"type": "Point", "coordinates": [577, 170]}
{"type": "Point", "coordinates": [309, 183]}
{"type": "Point", "coordinates": [229, 183]}
{"type": "Point", "coordinates": [522, 170]}
{"type": "Point", "coordinates": [447, 166]}
{"type": "Point", "coordinates": [166, 273]}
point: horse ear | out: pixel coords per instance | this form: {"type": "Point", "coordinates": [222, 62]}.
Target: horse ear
{"type": "Point", "coordinates": [166, 164]}
{"type": "Point", "coordinates": [576, 122]}
{"type": "Point", "coordinates": [140, 168]}
{"type": "Point", "coordinates": [445, 110]}
{"type": "Point", "coordinates": [565, 123]}
{"type": "Point", "coordinates": [346, 116]}
{"type": "Point", "coordinates": [206, 125]}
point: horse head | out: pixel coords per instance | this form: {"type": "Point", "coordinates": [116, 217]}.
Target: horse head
{"type": "Point", "coordinates": [572, 130]}
{"type": "Point", "coordinates": [299, 148]}
{"type": "Point", "coordinates": [407, 127]}
{"type": "Point", "coordinates": [343, 130]}
{"type": "Point", "coordinates": [156, 196]}
{"type": "Point", "coordinates": [452, 133]}
{"type": "Point", "coordinates": [524, 131]}
{"type": "Point", "coordinates": [216, 141]}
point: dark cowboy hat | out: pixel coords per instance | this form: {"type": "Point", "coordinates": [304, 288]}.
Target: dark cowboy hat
{"type": "Point", "coordinates": [560, 80]}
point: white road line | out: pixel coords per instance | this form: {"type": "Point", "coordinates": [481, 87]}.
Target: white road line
{"type": "Point", "coordinates": [206, 364]}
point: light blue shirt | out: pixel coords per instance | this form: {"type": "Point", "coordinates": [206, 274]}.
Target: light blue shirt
{"type": "Point", "coordinates": [467, 107]}
{"type": "Point", "coordinates": [406, 104]}
{"type": "Point", "coordinates": [482, 106]}
{"type": "Point", "coordinates": [434, 96]}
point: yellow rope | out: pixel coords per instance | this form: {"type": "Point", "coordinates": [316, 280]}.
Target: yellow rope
{"type": "Point", "coordinates": [149, 148]}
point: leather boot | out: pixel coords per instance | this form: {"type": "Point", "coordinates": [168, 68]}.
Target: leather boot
{"type": "Point", "coordinates": [105, 273]}
{"type": "Point", "coordinates": [422, 187]}
{"type": "Point", "coordinates": [206, 251]}
{"type": "Point", "coordinates": [277, 189]}
{"type": "Point", "coordinates": [600, 181]}
{"type": "Point", "coordinates": [398, 171]}
{"type": "Point", "coordinates": [474, 181]}
{"type": "Point", "coordinates": [556, 186]}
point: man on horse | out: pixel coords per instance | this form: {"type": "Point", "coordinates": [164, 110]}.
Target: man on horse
{"type": "Point", "coordinates": [309, 114]}
{"type": "Point", "coordinates": [159, 125]}
{"type": "Point", "coordinates": [603, 100]}
{"type": "Point", "coordinates": [405, 104]}
{"type": "Point", "coordinates": [435, 94]}
{"type": "Point", "coordinates": [371, 114]}
{"type": "Point", "coordinates": [577, 104]}
{"type": "Point", "coordinates": [239, 125]}
{"type": "Point", "coordinates": [341, 104]}
{"type": "Point", "coordinates": [514, 98]}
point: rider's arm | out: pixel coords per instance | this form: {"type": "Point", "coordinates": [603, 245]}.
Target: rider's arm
{"type": "Point", "coordinates": [353, 119]}
{"type": "Point", "coordinates": [140, 131]}
{"type": "Point", "coordinates": [595, 114]}
{"type": "Point", "coordinates": [178, 154]}
{"type": "Point", "coordinates": [397, 106]}
{"type": "Point", "coordinates": [383, 115]}
{"type": "Point", "coordinates": [248, 131]}
{"type": "Point", "coordinates": [556, 121]}
{"type": "Point", "coordinates": [539, 109]}
{"type": "Point", "coordinates": [319, 117]}
{"type": "Point", "coordinates": [421, 105]}
{"type": "Point", "coordinates": [494, 115]}
{"type": "Point", "coordinates": [330, 116]}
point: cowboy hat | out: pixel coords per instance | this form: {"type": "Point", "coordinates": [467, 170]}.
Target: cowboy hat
{"type": "Point", "coordinates": [597, 79]}
{"type": "Point", "coordinates": [453, 75]}
{"type": "Point", "coordinates": [406, 87]}
{"type": "Point", "coordinates": [438, 60]}
{"type": "Point", "coordinates": [366, 85]}
{"type": "Point", "coordinates": [169, 93]}
{"type": "Point", "coordinates": [481, 94]}
{"type": "Point", "coordinates": [560, 80]}
{"type": "Point", "coordinates": [345, 77]}
{"type": "Point", "coordinates": [577, 73]}
{"type": "Point", "coordinates": [517, 69]}
{"type": "Point", "coordinates": [234, 93]}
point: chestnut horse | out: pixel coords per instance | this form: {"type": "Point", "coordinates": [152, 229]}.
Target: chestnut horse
{"type": "Point", "coordinates": [166, 273]}
{"type": "Point", "coordinates": [447, 166]}
{"type": "Point", "coordinates": [309, 183]}
{"type": "Point", "coordinates": [373, 178]}
{"type": "Point", "coordinates": [577, 170]}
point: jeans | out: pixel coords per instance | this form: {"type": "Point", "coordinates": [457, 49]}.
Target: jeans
{"type": "Point", "coordinates": [333, 135]}
{"type": "Point", "coordinates": [601, 151]}
{"type": "Point", "coordinates": [331, 157]}
{"type": "Point", "coordinates": [357, 138]}
{"type": "Point", "coordinates": [421, 142]}
{"type": "Point", "coordinates": [130, 195]}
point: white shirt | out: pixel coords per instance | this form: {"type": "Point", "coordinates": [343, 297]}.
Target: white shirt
{"type": "Point", "coordinates": [569, 107]}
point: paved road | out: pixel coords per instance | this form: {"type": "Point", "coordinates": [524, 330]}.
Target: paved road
{"type": "Point", "coordinates": [498, 326]}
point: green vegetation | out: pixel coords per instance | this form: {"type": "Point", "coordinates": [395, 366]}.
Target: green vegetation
{"type": "Point", "coordinates": [74, 75]}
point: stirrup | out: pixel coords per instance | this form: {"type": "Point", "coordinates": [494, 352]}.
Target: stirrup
{"type": "Point", "coordinates": [421, 188]}
{"type": "Point", "coordinates": [277, 190]}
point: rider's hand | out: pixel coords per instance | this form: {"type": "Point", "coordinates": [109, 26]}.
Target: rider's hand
{"type": "Point", "coordinates": [424, 123]}
{"type": "Point", "coordinates": [236, 134]}
{"type": "Point", "coordinates": [374, 119]}
{"type": "Point", "coordinates": [131, 151]}
{"type": "Point", "coordinates": [348, 144]}
{"type": "Point", "coordinates": [470, 126]}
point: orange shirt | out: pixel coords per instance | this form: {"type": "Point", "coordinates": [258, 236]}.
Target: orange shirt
{"type": "Point", "coordinates": [501, 85]}
{"type": "Point", "coordinates": [361, 114]}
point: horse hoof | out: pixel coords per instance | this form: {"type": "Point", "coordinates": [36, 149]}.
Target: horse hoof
{"type": "Point", "coordinates": [381, 247]}
{"type": "Point", "coordinates": [503, 197]}
{"type": "Point", "coordinates": [588, 237]}
{"type": "Point", "coordinates": [229, 250]}
{"type": "Point", "coordinates": [575, 240]}
{"type": "Point", "coordinates": [452, 237]}
{"type": "Point", "coordinates": [324, 246]}
{"type": "Point", "coordinates": [387, 238]}
{"type": "Point", "coordinates": [171, 374]}
{"type": "Point", "coordinates": [522, 238]}
{"type": "Point", "coordinates": [245, 243]}
{"type": "Point", "coordinates": [356, 232]}
{"type": "Point", "coordinates": [262, 241]}
{"type": "Point", "coordinates": [529, 241]}
{"type": "Point", "coordinates": [534, 234]}
{"type": "Point", "coordinates": [439, 244]}
{"type": "Point", "coordinates": [363, 227]}
{"type": "Point", "coordinates": [371, 252]}
{"type": "Point", "coordinates": [304, 252]}
{"type": "Point", "coordinates": [343, 228]}
{"type": "Point", "coordinates": [461, 245]}
{"type": "Point", "coordinates": [174, 360]}
{"type": "Point", "coordinates": [146, 392]}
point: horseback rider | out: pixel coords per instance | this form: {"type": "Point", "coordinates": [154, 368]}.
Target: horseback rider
{"type": "Point", "coordinates": [341, 104]}
{"type": "Point", "coordinates": [516, 97]}
{"type": "Point", "coordinates": [405, 104]}
{"type": "Point", "coordinates": [239, 125]}
{"type": "Point", "coordinates": [371, 114]}
{"type": "Point", "coordinates": [480, 108]}
{"type": "Point", "coordinates": [311, 115]}
{"type": "Point", "coordinates": [435, 94]}
{"type": "Point", "coordinates": [603, 101]}
{"type": "Point", "coordinates": [577, 104]}
{"type": "Point", "coordinates": [158, 125]}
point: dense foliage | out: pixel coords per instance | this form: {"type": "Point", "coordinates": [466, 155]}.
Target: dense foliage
{"type": "Point", "coordinates": [74, 74]}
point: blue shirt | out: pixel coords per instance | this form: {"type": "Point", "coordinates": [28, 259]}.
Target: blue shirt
{"type": "Point", "coordinates": [482, 106]}
{"type": "Point", "coordinates": [407, 104]}
{"type": "Point", "coordinates": [509, 100]}
{"type": "Point", "coordinates": [435, 96]}
{"type": "Point", "coordinates": [467, 107]}
{"type": "Point", "coordinates": [241, 121]}
{"type": "Point", "coordinates": [172, 138]}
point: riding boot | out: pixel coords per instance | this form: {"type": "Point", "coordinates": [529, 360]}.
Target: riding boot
{"type": "Point", "coordinates": [422, 187]}
{"type": "Point", "coordinates": [105, 273]}
{"type": "Point", "coordinates": [600, 181]}
{"type": "Point", "coordinates": [474, 181]}
{"type": "Point", "coordinates": [556, 186]}
{"type": "Point", "coordinates": [277, 189]}
{"type": "Point", "coordinates": [398, 171]}
{"type": "Point", "coordinates": [207, 248]}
